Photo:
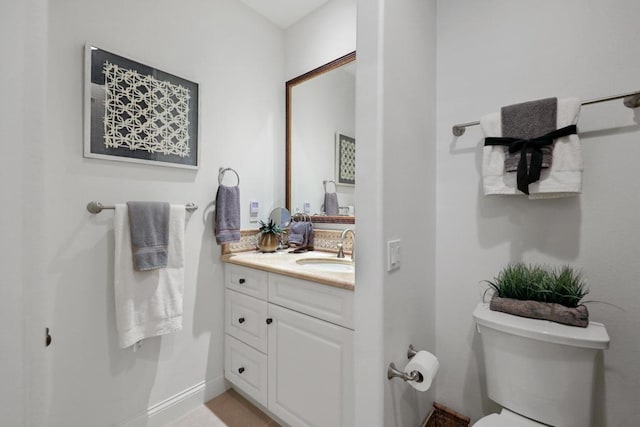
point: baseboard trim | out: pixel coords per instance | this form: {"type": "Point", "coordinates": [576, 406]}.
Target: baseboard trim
{"type": "Point", "coordinates": [177, 405]}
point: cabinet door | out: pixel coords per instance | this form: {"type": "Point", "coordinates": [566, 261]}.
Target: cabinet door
{"type": "Point", "coordinates": [310, 370]}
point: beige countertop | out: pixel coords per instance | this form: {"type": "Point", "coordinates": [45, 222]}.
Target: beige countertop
{"type": "Point", "coordinates": [285, 263]}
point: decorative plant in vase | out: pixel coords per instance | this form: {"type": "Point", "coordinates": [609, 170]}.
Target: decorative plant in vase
{"type": "Point", "coordinates": [269, 236]}
{"type": "Point", "coordinates": [541, 293]}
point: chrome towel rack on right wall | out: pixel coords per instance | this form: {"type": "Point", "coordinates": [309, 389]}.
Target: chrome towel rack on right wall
{"type": "Point", "coordinates": [631, 100]}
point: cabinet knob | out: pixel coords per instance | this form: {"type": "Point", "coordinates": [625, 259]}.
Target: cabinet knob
{"type": "Point", "coordinates": [269, 320]}
{"type": "Point", "coordinates": [241, 320]}
{"type": "Point", "coordinates": [241, 281]}
{"type": "Point", "coordinates": [241, 370]}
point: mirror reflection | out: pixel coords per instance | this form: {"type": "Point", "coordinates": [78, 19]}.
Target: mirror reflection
{"type": "Point", "coordinates": [321, 142]}
{"type": "Point", "coordinates": [282, 218]}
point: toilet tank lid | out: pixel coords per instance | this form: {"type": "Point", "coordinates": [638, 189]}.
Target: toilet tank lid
{"type": "Point", "coordinates": [593, 336]}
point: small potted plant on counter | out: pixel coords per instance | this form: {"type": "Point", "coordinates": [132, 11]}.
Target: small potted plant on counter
{"type": "Point", "coordinates": [541, 293]}
{"type": "Point", "coordinates": [269, 236]}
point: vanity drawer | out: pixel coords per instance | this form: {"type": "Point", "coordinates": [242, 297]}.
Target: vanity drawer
{"type": "Point", "coordinates": [246, 368]}
{"type": "Point", "coordinates": [248, 281]}
{"type": "Point", "coordinates": [245, 319]}
{"type": "Point", "coordinates": [328, 303]}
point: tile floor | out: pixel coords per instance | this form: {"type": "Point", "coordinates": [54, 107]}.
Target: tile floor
{"type": "Point", "coordinates": [228, 409]}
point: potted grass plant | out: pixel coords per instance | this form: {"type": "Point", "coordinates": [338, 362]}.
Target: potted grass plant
{"type": "Point", "coordinates": [269, 236]}
{"type": "Point", "coordinates": [541, 292]}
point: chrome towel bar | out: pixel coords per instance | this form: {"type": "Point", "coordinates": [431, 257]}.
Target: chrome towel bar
{"type": "Point", "coordinates": [97, 207]}
{"type": "Point", "coordinates": [631, 100]}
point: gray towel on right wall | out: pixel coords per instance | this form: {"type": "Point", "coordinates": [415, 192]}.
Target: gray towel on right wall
{"type": "Point", "coordinates": [526, 121]}
{"type": "Point", "coordinates": [227, 217]}
{"type": "Point", "coordinates": [331, 203]}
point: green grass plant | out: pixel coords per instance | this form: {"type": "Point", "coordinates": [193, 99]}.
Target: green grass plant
{"type": "Point", "coordinates": [560, 285]}
{"type": "Point", "coordinates": [270, 228]}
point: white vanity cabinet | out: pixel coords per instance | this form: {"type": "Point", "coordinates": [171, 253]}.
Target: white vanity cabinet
{"type": "Point", "coordinates": [301, 370]}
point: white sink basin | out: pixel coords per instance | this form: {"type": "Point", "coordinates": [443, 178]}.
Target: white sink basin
{"type": "Point", "coordinates": [332, 265]}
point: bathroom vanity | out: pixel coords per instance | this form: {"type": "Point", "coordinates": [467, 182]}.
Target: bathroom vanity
{"type": "Point", "coordinates": [289, 335]}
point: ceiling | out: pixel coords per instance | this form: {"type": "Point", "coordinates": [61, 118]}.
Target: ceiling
{"type": "Point", "coordinates": [284, 13]}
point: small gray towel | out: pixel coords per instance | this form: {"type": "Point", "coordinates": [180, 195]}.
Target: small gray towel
{"type": "Point", "coordinates": [149, 227]}
{"type": "Point", "coordinates": [296, 233]}
{"type": "Point", "coordinates": [301, 234]}
{"type": "Point", "coordinates": [331, 203]}
{"type": "Point", "coordinates": [227, 218]}
{"type": "Point", "coordinates": [526, 121]}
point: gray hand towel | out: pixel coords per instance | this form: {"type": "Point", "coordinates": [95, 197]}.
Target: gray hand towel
{"type": "Point", "coordinates": [296, 233]}
{"type": "Point", "coordinates": [331, 203]}
{"type": "Point", "coordinates": [301, 234]}
{"type": "Point", "coordinates": [526, 121]}
{"type": "Point", "coordinates": [227, 218]}
{"type": "Point", "coordinates": [149, 227]}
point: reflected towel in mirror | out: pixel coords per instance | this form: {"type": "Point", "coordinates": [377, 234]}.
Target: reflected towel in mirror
{"type": "Point", "coordinates": [331, 204]}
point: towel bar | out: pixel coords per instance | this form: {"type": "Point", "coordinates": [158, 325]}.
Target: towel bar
{"type": "Point", "coordinates": [631, 100]}
{"type": "Point", "coordinates": [97, 207]}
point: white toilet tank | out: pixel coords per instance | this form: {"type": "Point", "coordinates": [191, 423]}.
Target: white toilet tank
{"type": "Point", "coordinates": [540, 369]}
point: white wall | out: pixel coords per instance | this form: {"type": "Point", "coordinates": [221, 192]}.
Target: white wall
{"type": "Point", "coordinates": [237, 58]}
{"type": "Point", "coordinates": [12, 44]}
{"type": "Point", "coordinates": [23, 71]}
{"type": "Point", "coordinates": [495, 53]}
{"type": "Point", "coordinates": [320, 107]}
{"type": "Point", "coordinates": [327, 33]}
{"type": "Point", "coordinates": [395, 200]}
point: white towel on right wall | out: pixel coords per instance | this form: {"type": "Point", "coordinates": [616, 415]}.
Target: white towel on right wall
{"type": "Point", "coordinates": [562, 179]}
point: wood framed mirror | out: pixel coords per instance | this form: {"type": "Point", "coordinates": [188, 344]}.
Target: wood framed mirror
{"type": "Point", "coordinates": [320, 116]}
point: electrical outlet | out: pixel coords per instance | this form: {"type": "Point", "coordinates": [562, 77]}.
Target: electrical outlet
{"type": "Point", "coordinates": [393, 255]}
{"type": "Point", "coordinates": [254, 211]}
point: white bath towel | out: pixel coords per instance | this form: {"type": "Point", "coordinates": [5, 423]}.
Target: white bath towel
{"type": "Point", "coordinates": [148, 303]}
{"type": "Point", "coordinates": [562, 179]}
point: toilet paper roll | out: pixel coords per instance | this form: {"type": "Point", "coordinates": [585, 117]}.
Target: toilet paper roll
{"type": "Point", "coordinates": [425, 363]}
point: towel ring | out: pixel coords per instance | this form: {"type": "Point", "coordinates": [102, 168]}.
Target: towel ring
{"type": "Point", "coordinates": [223, 171]}
{"type": "Point", "coordinates": [301, 217]}
{"type": "Point", "coordinates": [324, 184]}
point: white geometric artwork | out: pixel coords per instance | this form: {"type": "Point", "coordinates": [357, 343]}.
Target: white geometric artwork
{"type": "Point", "coordinates": [144, 113]}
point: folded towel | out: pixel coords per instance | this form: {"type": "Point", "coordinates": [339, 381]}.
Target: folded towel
{"type": "Point", "coordinates": [301, 234]}
{"type": "Point", "coordinates": [331, 203]}
{"type": "Point", "coordinates": [148, 303]}
{"type": "Point", "coordinates": [526, 121]}
{"type": "Point", "coordinates": [297, 230]}
{"type": "Point", "coordinates": [227, 218]}
{"type": "Point", "coordinates": [562, 179]}
{"type": "Point", "coordinates": [149, 227]}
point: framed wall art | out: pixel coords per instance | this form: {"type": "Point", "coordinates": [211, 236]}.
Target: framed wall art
{"type": "Point", "coordinates": [345, 159]}
{"type": "Point", "coordinates": [137, 113]}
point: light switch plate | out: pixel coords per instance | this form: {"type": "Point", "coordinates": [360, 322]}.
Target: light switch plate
{"type": "Point", "coordinates": [393, 255]}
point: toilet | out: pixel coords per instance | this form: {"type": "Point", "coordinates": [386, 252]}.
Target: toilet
{"type": "Point", "coordinates": [540, 372]}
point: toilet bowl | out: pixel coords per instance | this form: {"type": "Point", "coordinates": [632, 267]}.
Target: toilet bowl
{"type": "Point", "coordinates": [540, 372]}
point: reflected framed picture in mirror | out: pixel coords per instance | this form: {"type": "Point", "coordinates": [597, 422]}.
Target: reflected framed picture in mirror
{"type": "Point", "coordinates": [345, 159]}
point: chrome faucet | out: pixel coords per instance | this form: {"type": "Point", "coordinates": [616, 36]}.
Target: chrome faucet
{"type": "Point", "coordinates": [341, 244]}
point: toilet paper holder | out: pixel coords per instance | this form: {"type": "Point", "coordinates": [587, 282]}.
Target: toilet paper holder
{"type": "Point", "coordinates": [393, 372]}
